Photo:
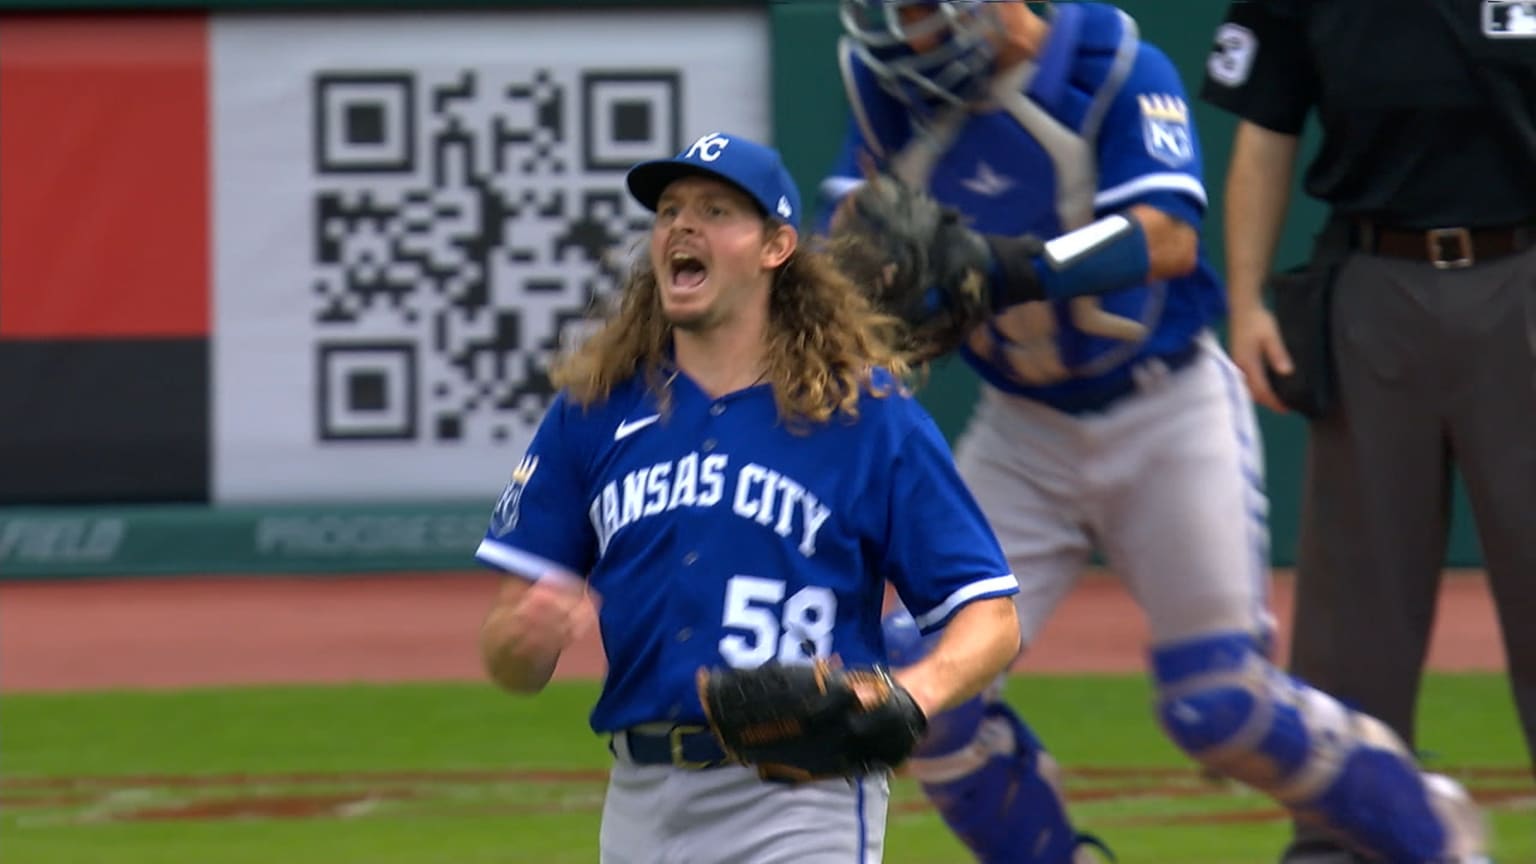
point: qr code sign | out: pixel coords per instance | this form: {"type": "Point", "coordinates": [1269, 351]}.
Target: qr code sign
{"type": "Point", "coordinates": [462, 222]}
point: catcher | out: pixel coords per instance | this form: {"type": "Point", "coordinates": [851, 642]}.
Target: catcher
{"type": "Point", "coordinates": [1110, 420]}
{"type": "Point", "coordinates": [733, 467]}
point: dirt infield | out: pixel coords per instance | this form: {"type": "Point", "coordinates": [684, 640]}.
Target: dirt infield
{"type": "Point", "coordinates": [167, 633]}
{"type": "Point", "coordinates": [163, 798]}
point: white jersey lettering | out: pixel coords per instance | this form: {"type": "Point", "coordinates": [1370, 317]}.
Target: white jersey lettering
{"type": "Point", "coordinates": [634, 496]}
{"type": "Point", "coordinates": [714, 480]}
{"type": "Point", "coordinates": [610, 522]}
{"type": "Point", "coordinates": [816, 515]}
{"type": "Point", "coordinates": [771, 480]}
{"type": "Point", "coordinates": [792, 493]}
{"type": "Point", "coordinates": [749, 476]}
{"type": "Point", "coordinates": [683, 488]}
{"type": "Point", "coordinates": [761, 495]}
{"type": "Point", "coordinates": [656, 489]}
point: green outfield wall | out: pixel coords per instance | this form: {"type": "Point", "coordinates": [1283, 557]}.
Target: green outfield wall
{"type": "Point", "coordinates": [193, 539]}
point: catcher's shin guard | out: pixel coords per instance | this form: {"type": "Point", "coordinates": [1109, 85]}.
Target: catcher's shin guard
{"type": "Point", "coordinates": [1234, 712]}
{"type": "Point", "coordinates": [987, 774]}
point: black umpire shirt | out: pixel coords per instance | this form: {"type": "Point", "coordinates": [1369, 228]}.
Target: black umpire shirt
{"type": "Point", "coordinates": [1427, 107]}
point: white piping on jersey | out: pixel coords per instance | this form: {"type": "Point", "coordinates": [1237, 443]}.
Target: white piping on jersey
{"type": "Point", "coordinates": [964, 595]}
{"type": "Point", "coordinates": [1168, 182]}
{"type": "Point", "coordinates": [515, 560]}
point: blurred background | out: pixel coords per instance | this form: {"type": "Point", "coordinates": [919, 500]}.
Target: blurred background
{"type": "Point", "coordinates": [279, 283]}
{"type": "Point", "coordinates": [279, 280]}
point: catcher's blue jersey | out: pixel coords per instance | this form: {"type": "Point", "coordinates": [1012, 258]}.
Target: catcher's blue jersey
{"type": "Point", "coordinates": [1097, 124]}
{"type": "Point", "coordinates": [715, 536]}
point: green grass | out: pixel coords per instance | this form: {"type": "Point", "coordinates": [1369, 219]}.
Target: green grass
{"type": "Point", "coordinates": [125, 757]}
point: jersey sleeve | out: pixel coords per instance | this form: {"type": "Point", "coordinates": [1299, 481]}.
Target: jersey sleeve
{"type": "Point", "coordinates": [540, 522]}
{"type": "Point", "coordinates": [940, 552]}
{"type": "Point", "coordinates": [1260, 67]}
{"type": "Point", "coordinates": [1149, 152]}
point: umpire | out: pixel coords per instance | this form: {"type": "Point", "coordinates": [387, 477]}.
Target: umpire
{"type": "Point", "coordinates": [1409, 339]}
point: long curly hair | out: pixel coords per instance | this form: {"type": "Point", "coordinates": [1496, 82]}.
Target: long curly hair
{"type": "Point", "coordinates": [824, 340]}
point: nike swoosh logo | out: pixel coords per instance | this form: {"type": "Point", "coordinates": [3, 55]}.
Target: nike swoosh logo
{"type": "Point", "coordinates": [630, 427]}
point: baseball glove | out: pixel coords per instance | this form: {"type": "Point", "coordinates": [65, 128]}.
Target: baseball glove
{"type": "Point", "coordinates": [806, 722]}
{"type": "Point", "coordinates": [917, 261]}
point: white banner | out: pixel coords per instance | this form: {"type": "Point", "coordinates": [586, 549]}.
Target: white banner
{"type": "Point", "coordinates": [408, 208]}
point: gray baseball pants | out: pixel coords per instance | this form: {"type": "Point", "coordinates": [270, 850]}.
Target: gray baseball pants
{"type": "Point", "coordinates": [659, 814]}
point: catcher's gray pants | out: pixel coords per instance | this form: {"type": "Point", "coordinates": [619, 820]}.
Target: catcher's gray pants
{"type": "Point", "coordinates": [660, 814]}
{"type": "Point", "coordinates": [1435, 367]}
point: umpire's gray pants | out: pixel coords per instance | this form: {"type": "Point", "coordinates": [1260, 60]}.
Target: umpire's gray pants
{"type": "Point", "coordinates": [1435, 368]}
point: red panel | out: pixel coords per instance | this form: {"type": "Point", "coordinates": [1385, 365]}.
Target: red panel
{"type": "Point", "coordinates": [103, 176]}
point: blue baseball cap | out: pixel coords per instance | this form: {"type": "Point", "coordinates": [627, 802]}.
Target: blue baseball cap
{"type": "Point", "coordinates": [754, 168]}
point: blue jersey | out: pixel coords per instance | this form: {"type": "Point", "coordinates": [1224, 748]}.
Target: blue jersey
{"type": "Point", "coordinates": [714, 535]}
{"type": "Point", "coordinates": [1098, 123]}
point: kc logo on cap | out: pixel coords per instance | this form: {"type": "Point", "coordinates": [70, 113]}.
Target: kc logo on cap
{"type": "Point", "coordinates": [756, 169]}
{"type": "Point", "coordinates": [707, 148]}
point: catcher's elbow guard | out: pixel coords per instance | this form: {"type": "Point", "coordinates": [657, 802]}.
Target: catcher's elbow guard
{"type": "Point", "coordinates": [1102, 256]}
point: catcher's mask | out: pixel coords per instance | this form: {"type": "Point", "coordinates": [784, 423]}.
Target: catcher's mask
{"type": "Point", "coordinates": [925, 52]}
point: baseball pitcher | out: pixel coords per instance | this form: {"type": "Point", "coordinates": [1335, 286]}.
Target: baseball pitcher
{"type": "Point", "coordinates": [734, 472]}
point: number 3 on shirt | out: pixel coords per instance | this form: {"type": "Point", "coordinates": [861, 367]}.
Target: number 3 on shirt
{"type": "Point", "coordinates": [795, 630]}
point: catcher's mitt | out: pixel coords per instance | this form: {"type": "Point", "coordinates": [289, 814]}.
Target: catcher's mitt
{"type": "Point", "coordinates": [916, 260]}
{"type": "Point", "coordinates": [796, 723]}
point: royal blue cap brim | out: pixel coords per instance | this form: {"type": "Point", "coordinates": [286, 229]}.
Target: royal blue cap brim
{"type": "Point", "coordinates": [649, 179]}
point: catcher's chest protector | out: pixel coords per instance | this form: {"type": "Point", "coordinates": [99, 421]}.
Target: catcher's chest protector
{"type": "Point", "coordinates": [1098, 123]}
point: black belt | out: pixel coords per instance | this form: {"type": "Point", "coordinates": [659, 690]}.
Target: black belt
{"type": "Point", "coordinates": [1099, 398]}
{"type": "Point", "coordinates": [690, 747]}
{"type": "Point", "coordinates": [1445, 248]}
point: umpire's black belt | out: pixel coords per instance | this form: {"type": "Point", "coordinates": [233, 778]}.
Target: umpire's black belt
{"type": "Point", "coordinates": [1445, 248]}
{"type": "Point", "coordinates": [691, 747]}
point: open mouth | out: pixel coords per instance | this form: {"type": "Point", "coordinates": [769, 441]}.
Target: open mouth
{"type": "Point", "coordinates": [687, 271]}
